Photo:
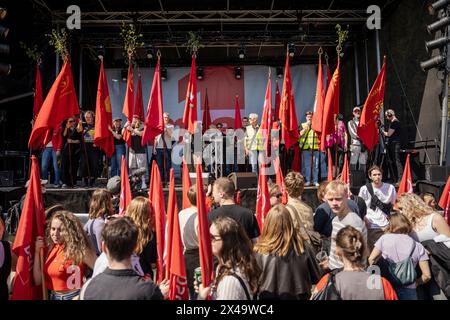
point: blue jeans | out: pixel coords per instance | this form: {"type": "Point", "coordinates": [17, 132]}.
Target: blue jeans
{"type": "Point", "coordinates": [306, 166]}
{"type": "Point", "coordinates": [160, 162]}
{"type": "Point", "coordinates": [63, 296]}
{"type": "Point", "coordinates": [406, 293]}
{"type": "Point", "coordinates": [47, 155]}
{"type": "Point", "coordinates": [253, 159]}
{"type": "Point", "coordinates": [323, 165]}
{"type": "Point", "coordinates": [116, 159]}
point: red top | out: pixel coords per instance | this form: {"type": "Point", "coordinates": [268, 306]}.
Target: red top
{"type": "Point", "coordinates": [60, 276]}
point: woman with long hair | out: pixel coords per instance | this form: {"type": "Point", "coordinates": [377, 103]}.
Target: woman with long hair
{"type": "Point", "coordinates": [237, 271]}
{"type": "Point", "coordinates": [69, 252]}
{"type": "Point", "coordinates": [288, 264]}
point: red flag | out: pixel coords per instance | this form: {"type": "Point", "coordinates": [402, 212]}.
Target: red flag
{"type": "Point", "coordinates": [406, 185]}
{"type": "Point", "coordinates": [237, 115]}
{"type": "Point", "coordinates": [156, 197]}
{"type": "Point", "coordinates": [204, 237]}
{"type": "Point", "coordinates": [238, 197]}
{"type": "Point", "coordinates": [125, 189]}
{"type": "Point", "coordinates": [61, 103]}
{"type": "Point", "coordinates": [288, 115]}
{"type": "Point", "coordinates": [330, 167]}
{"type": "Point", "coordinates": [103, 138]}
{"type": "Point", "coordinates": [367, 127]}
{"type": "Point", "coordinates": [319, 101]}
{"type": "Point", "coordinates": [127, 109]}
{"type": "Point", "coordinates": [186, 184]}
{"type": "Point", "coordinates": [154, 122]}
{"type": "Point", "coordinates": [345, 175]}
{"type": "Point", "coordinates": [297, 161]}
{"type": "Point", "coordinates": [277, 102]}
{"type": "Point", "coordinates": [38, 99]}
{"type": "Point", "coordinates": [328, 77]}
{"type": "Point", "coordinates": [444, 202]}
{"type": "Point", "coordinates": [330, 107]}
{"type": "Point", "coordinates": [266, 120]}
{"type": "Point", "coordinates": [206, 117]}
{"type": "Point", "coordinates": [262, 198]}
{"type": "Point", "coordinates": [174, 250]}
{"type": "Point", "coordinates": [31, 226]}
{"type": "Point", "coordinates": [138, 104]}
{"type": "Point", "coordinates": [190, 108]}
{"type": "Point", "coordinates": [279, 179]}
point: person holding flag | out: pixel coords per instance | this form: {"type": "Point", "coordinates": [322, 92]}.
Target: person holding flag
{"type": "Point", "coordinates": [162, 149]}
{"type": "Point", "coordinates": [119, 147]}
{"type": "Point", "coordinates": [309, 146]}
{"type": "Point", "coordinates": [70, 156]}
{"type": "Point", "coordinates": [137, 152]}
{"type": "Point", "coordinates": [358, 151]}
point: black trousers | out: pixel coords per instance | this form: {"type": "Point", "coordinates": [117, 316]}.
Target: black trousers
{"type": "Point", "coordinates": [396, 163]}
{"type": "Point", "coordinates": [89, 160]}
{"type": "Point", "coordinates": [70, 157]}
{"type": "Point", "coordinates": [192, 261]}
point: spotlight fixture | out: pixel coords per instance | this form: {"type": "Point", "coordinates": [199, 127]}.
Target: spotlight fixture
{"type": "Point", "coordinates": [5, 69]}
{"type": "Point", "coordinates": [434, 62]}
{"type": "Point", "coordinates": [434, 7]}
{"type": "Point", "coordinates": [163, 74]}
{"type": "Point", "coordinates": [3, 12]}
{"type": "Point", "coordinates": [291, 49]}
{"type": "Point", "coordinates": [279, 72]}
{"type": "Point", "coordinates": [199, 73]}
{"type": "Point", "coordinates": [241, 52]}
{"type": "Point", "coordinates": [149, 51]}
{"type": "Point", "coordinates": [436, 43]}
{"type": "Point", "coordinates": [440, 24]}
{"type": "Point", "coordinates": [100, 51]}
{"type": "Point", "coordinates": [237, 72]}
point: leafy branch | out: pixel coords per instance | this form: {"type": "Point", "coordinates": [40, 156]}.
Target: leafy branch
{"type": "Point", "coordinates": [193, 42]}
{"type": "Point", "coordinates": [59, 40]}
{"type": "Point", "coordinates": [342, 36]}
{"type": "Point", "coordinates": [32, 52]}
{"type": "Point", "coordinates": [131, 40]}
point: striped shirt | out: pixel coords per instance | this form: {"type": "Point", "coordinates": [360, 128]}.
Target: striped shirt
{"type": "Point", "coordinates": [350, 219]}
{"type": "Point", "coordinates": [229, 288]}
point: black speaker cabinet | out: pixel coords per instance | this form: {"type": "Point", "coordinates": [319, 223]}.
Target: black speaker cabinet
{"type": "Point", "coordinates": [435, 173]}
{"type": "Point", "coordinates": [244, 180]}
{"type": "Point", "coordinates": [6, 178]}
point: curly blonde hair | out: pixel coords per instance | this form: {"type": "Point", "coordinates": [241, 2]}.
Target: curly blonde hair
{"type": "Point", "coordinates": [101, 204]}
{"type": "Point", "coordinates": [413, 207]}
{"type": "Point", "coordinates": [140, 211]}
{"type": "Point", "coordinates": [75, 242]}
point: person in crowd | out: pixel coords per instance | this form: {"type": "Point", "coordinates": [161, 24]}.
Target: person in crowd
{"type": "Point", "coordinates": [275, 194]}
{"type": "Point", "coordinates": [89, 152]}
{"type": "Point", "coordinates": [393, 135]}
{"type": "Point", "coordinates": [309, 147]}
{"type": "Point", "coordinates": [288, 264]}
{"type": "Point", "coordinates": [429, 199]}
{"type": "Point", "coordinates": [138, 153]}
{"type": "Point", "coordinates": [396, 245]}
{"type": "Point", "coordinates": [237, 272]}
{"type": "Point", "coordinates": [245, 123]}
{"type": "Point", "coordinates": [113, 186]}
{"type": "Point", "coordinates": [352, 281]}
{"type": "Point", "coordinates": [301, 213]}
{"type": "Point", "coordinates": [189, 236]}
{"type": "Point", "coordinates": [253, 143]}
{"type": "Point", "coordinates": [358, 152]}
{"type": "Point", "coordinates": [120, 281]}
{"type": "Point", "coordinates": [336, 194]}
{"type": "Point", "coordinates": [5, 263]}
{"type": "Point", "coordinates": [380, 198]}
{"type": "Point", "coordinates": [162, 149]}
{"type": "Point", "coordinates": [52, 151]}
{"type": "Point", "coordinates": [69, 252]}
{"type": "Point", "coordinates": [70, 156]}
{"type": "Point", "coordinates": [223, 194]}
{"type": "Point", "coordinates": [119, 147]}
{"type": "Point", "coordinates": [99, 211]}
{"type": "Point", "coordinates": [337, 142]}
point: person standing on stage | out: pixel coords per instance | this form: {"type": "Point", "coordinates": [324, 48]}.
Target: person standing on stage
{"type": "Point", "coordinates": [162, 149]}
{"type": "Point", "coordinates": [308, 143]}
{"type": "Point", "coordinates": [337, 142]}
{"type": "Point", "coordinates": [394, 143]}
{"type": "Point", "coordinates": [358, 152]}
{"type": "Point", "coordinates": [252, 143]}
{"type": "Point", "coordinates": [52, 152]}
{"type": "Point", "coordinates": [138, 153]}
{"type": "Point", "coordinates": [89, 152]}
{"type": "Point", "coordinates": [119, 147]}
{"type": "Point", "coordinates": [70, 152]}
{"type": "Point", "coordinates": [244, 123]}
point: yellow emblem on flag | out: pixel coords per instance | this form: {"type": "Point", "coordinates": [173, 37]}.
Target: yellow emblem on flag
{"type": "Point", "coordinates": [107, 104]}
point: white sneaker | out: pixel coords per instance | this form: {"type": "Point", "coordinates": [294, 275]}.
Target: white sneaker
{"type": "Point", "coordinates": [307, 184]}
{"type": "Point", "coordinates": [316, 184]}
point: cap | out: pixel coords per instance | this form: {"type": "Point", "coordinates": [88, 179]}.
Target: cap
{"type": "Point", "coordinates": [113, 185]}
{"type": "Point", "coordinates": [356, 108]}
{"type": "Point", "coordinates": [43, 182]}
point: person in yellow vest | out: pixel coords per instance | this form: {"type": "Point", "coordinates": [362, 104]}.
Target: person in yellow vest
{"type": "Point", "coordinates": [309, 147]}
{"type": "Point", "coordinates": [253, 142]}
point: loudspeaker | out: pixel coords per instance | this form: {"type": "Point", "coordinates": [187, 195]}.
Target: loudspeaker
{"type": "Point", "coordinates": [436, 173]}
{"type": "Point", "coordinates": [6, 178]}
{"type": "Point", "coordinates": [193, 177]}
{"type": "Point", "coordinates": [244, 180]}
{"type": "Point", "coordinates": [357, 178]}
{"type": "Point", "coordinates": [435, 188]}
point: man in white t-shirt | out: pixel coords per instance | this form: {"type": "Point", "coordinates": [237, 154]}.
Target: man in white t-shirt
{"type": "Point", "coordinates": [164, 142]}
{"type": "Point", "coordinates": [378, 208]}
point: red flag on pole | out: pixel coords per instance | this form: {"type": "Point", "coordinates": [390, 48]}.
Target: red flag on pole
{"type": "Point", "coordinates": [154, 122]}
{"type": "Point", "coordinates": [266, 120]}
{"type": "Point", "coordinates": [319, 101]}
{"type": "Point", "coordinates": [138, 103]}
{"type": "Point", "coordinates": [345, 175]}
{"type": "Point", "coordinates": [103, 138]}
{"type": "Point", "coordinates": [328, 77]}
{"type": "Point", "coordinates": [176, 270]}
{"type": "Point", "coordinates": [125, 189]}
{"type": "Point", "coordinates": [288, 115]}
{"type": "Point", "coordinates": [330, 107]}
{"type": "Point", "coordinates": [277, 102]}
{"type": "Point", "coordinates": [190, 108]}
{"type": "Point", "coordinates": [297, 161]}
{"type": "Point", "coordinates": [367, 127]}
{"type": "Point", "coordinates": [61, 103]}
{"type": "Point", "coordinates": [330, 167]}
{"type": "Point", "coordinates": [444, 202]}
{"type": "Point", "coordinates": [128, 103]}
{"type": "Point", "coordinates": [206, 117]}
{"type": "Point", "coordinates": [237, 115]}
{"type": "Point", "coordinates": [156, 197]}
{"type": "Point", "coordinates": [262, 198]}
{"type": "Point", "coordinates": [38, 99]}
{"type": "Point", "coordinates": [279, 179]}
{"type": "Point", "coordinates": [31, 226]}
{"type": "Point", "coordinates": [406, 185]}
{"type": "Point", "coordinates": [186, 184]}
{"type": "Point", "coordinates": [204, 237]}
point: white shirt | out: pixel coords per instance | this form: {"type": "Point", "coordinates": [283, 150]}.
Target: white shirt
{"type": "Point", "coordinates": [377, 219]}
{"type": "Point", "coordinates": [102, 263]}
{"type": "Point", "coordinates": [168, 131]}
{"type": "Point", "coordinates": [189, 228]}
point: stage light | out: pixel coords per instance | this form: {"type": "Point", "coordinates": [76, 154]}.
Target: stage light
{"type": "Point", "coordinates": [241, 52]}
{"type": "Point", "coordinates": [4, 48]}
{"type": "Point", "coordinates": [100, 51]}
{"type": "Point", "coordinates": [432, 8]}
{"type": "Point", "coordinates": [436, 43]}
{"type": "Point", "coordinates": [5, 69]}
{"type": "Point", "coordinates": [433, 62]}
{"type": "Point", "coordinates": [4, 31]}
{"type": "Point", "coordinates": [199, 73]}
{"type": "Point", "coordinates": [149, 51]}
{"type": "Point", "coordinates": [437, 25]}
{"type": "Point", "coordinates": [3, 12]}
{"type": "Point", "coordinates": [237, 72]}
{"type": "Point", "coordinates": [124, 74]}
{"type": "Point", "coordinates": [163, 74]}
{"type": "Point", "coordinates": [291, 49]}
{"type": "Point", "coordinates": [279, 72]}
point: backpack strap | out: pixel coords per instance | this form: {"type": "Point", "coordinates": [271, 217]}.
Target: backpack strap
{"type": "Point", "coordinates": [375, 202]}
{"type": "Point", "coordinates": [412, 249]}
{"type": "Point", "coordinates": [247, 294]}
